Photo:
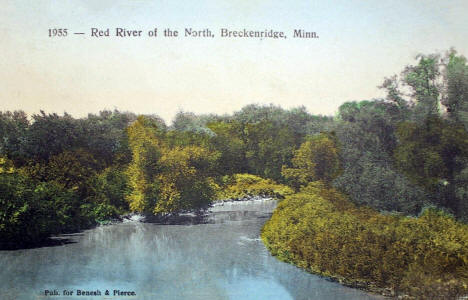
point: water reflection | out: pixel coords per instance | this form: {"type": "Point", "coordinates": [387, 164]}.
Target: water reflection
{"type": "Point", "coordinates": [222, 259]}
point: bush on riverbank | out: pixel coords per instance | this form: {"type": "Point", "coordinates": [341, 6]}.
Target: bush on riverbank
{"type": "Point", "coordinates": [239, 186]}
{"type": "Point", "coordinates": [32, 211]}
{"type": "Point", "coordinates": [320, 230]}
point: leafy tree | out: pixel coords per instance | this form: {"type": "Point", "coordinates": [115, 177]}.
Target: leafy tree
{"type": "Point", "coordinates": [456, 96]}
{"type": "Point", "coordinates": [270, 134]}
{"type": "Point", "coordinates": [254, 113]}
{"type": "Point", "coordinates": [377, 184]}
{"type": "Point", "coordinates": [106, 195]}
{"type": "Point", "coordinates": [433, 81]}
{"type": "Point", "coordinates": [366, 133]}
{"type": "Point", "coordinates": [71, 169]}
{"type": "Point", "coordinates": [316, 159]}
{"type": "Point", "coordinates": [185, 182]}
{"type": "Point", "coordinates": [104, 136]}
{"type": "Point", "coordinates": [51, 134]}
{"type": "Point", "coordinates": [394, 94]}
{"type": "Point", "coordinates": [185, 121]}
{"type": "Point", "coordinates": [229, 143]}
{"type": "Point", "coordinates": [30, 211]}
{"type": "Point", "coordinates": [422, 79]}
{"type": "Point", "coordinates": [268, 147]}
{"type": "Point", "coordinates": [432, 155]}
{"type": "Point", "coordinates": [112, 188]}
{"type": "Point", "coordinates": [13, 127]}
{"type": "Point", "coordinates": [145, 142]}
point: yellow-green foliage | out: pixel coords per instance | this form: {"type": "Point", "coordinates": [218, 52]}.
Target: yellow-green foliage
{"type": "Point", "coordinates": [240, 186]}
{"type": "Point", "coordinates": [6, 166]}
{"type": "Point", "coordinates": [164, 179]}
{"type": "Point", "coordinates": [316, 159]}
{"type": "Point", "coordinates": [184, 179]}
{"type": "Point", "coordinates": [319, 230]}
{"type": "Point", "coordinates": [144, 142]}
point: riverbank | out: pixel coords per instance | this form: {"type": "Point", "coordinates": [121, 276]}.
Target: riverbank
{"type": "Point", "coordinates": [223, 259]}
{"type": "Point", "coordinates": [241, 199]}
{"type": "Point", "coordinates": [319, 230]}
{"type": "Point", "coordinates": [187, 218]}
{"type": "Point", "coordinates": [239, 187]}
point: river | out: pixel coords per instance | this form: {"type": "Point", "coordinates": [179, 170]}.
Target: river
{"type": "Point", "coordinates": [223, 258]}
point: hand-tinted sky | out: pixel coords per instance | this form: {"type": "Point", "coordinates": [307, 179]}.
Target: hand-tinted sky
{"type": "Point", "coordinates": [360, 43]}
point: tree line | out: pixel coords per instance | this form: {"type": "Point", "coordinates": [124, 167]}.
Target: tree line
{"type": "Point", "coordinates": [402, 160]}
{"type": "Point", "coordinates": [401, 153]}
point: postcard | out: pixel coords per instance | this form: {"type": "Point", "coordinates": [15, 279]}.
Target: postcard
{"type": "Point", "coordinates": [233, 149]}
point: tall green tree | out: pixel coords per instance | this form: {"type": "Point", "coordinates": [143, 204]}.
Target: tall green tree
{"type": "Point", "coordinates": [185, 180]}
{"type": "Point", "coordinates": [423, 81]}
{"type": "Point", "coordinates": [146, 142]}
{"type": "Point", "coordinates": [231, 146]}
{"type": "Point", "coordinates": [366, 133]}
{"type": "Point", "coordinates": [13, 128]}
{"type": "Point", "coordinates": [431, 155]}
{"type": "Point", "coordinates": [316, 159]}
{"type": "Point", "coordinates": [456, 96]}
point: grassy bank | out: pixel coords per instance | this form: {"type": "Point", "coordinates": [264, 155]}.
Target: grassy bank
{"type": "Point", "coordinates": [319, 230]}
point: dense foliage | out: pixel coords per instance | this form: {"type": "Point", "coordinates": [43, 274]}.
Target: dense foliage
{"type": "Point", "coordinates": [409, 150]}
{"type": "Point", "coordinates": [320, 230]}
{"type": "Point", "coordinates": [33, 210]}
{"type": "Point", "coordinates": [404, 154]}
{"type": "Point", "coordinates": [316, 159]}
{"type": "Point", "coordinates": [366, 132]}
{"type": "Point", "coordinates": [397, 155]}
{"type": "Point", "coordinates": [245, 186]}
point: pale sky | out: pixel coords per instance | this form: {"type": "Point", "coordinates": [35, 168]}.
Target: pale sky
{"type": "Point", "coordinates": [360, 43]}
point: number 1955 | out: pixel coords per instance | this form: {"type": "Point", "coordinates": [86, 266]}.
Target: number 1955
{"type": "Point", "coordinates": [62, 32]}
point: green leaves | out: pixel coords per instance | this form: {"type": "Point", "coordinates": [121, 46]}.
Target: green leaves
{"type": "Point", "coordinates": [320, 230]}
{"type": "Point", "coordinates": [316, 159]}
{"type": "Point", "coordinates": [166, 179]}
{"type": "Point", "coordinates": [185, 180]}
{"type": "Point", "coordinates": [145, 144]}
{"type": "Point", "coordinates": [431, 154]}
{"type": "Point", "coordinates": [240, 186]}
{"type": "Point", "coordinates": [31, 211]}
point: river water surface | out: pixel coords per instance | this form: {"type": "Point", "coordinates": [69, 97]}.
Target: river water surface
{"type": "Point", "coordinates": [222, 259]}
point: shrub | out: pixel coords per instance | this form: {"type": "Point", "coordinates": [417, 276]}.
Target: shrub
{"type": "Point", "coordinates": [31, 211]}
{"type": "Point", "coordinates": [240, 186]}
{"type": "Point", "coordinates": [320, 230]}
